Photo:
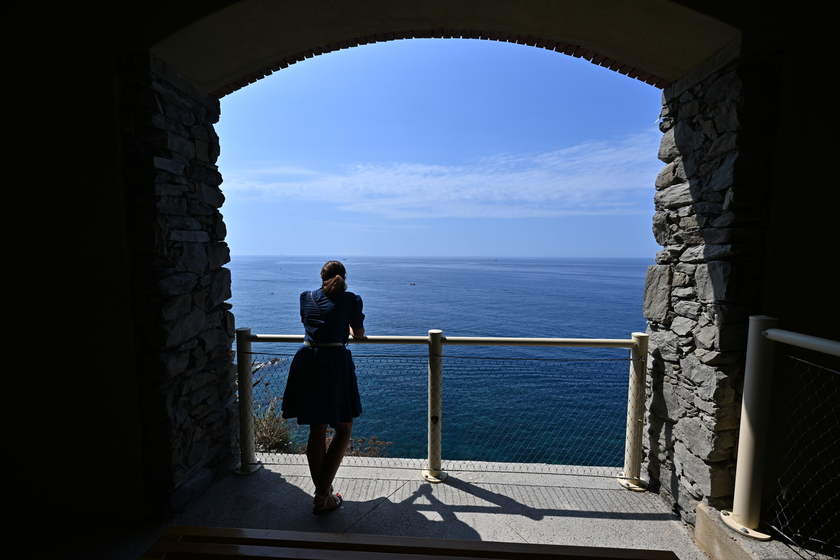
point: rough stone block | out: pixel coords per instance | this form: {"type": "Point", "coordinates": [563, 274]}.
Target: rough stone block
{"type": "Point", "coordinates": [724, 314]}
{"type": "Point", "coordinates": [219, 255]}
{"type": "Point", "coordinates": [657, 292]}
{"type": "Point", "coordinates": [661, 231]}
{"type": "Point", "coordinates": [211, 195]}
{"type": "Point", "coordinates": [686, 138]}
{"type": "Point", "coordinates": [667, 176]}
{"type": "Point", "coordinates": [723, 144]}
{"type": "Point", "coordinates": [665, 344]}
{"type": "Point", "coordinates": [168, 164]}
{"type": "Point", "coordinates": [726, 119]}
{"type": "Point", "coordinates": [696, 435]}
{"type": "Point", "coordinates": [682, 325]}
{"type": "Point", "coordinates": [667, 147]}
{"type": "Point", "coordinates": [688, 464]}
{"type": "Point", "coordinates": [704, 253]}
{"type": "Point", "coordinates": [197, 380]}
{"type": "Point", "coordinates": [698, 373]}
{"type": "Point", "coordinates": [689, 110]}
{"type": "Point", "coordinates": [189, 236]}
{"type": "Point", "coordinates": [176, 284]}
{"type": "Point", "coordinates": [193, 258]}
{"type": "Point", "coordinates": [691, 222]}
{"type": "Point", "coordinates": [664, 401]}
{"type": "Point", "coordinates": [175, 307]}
{"type": "Point", "coordinates": [723, 220]}
{"type": "Point", "coordinates": [171, 206]}
{"type": "Point", "coordinates": [674, 196]}
{"type": "Point", "coordinates": [680, 280]}
{"type": "Point", "coordinates": [184, 328]}
{"type": "Point", "coordinates": [202, 151]}
{"type": "Point", "coordinates": [181, 145]}
{"type": "Point", "coordinates": [207, 175]}
{"type": "Point", "coordinates": [168, 363]}
{"type": "Point", "coordinates": [220, 287]}
{"type": "Point", "coordinates": [215, 338]}
{"type": "Point", "coordinates": [718, 358]}
{"type": "Point", "coordinates": [706, 337]}
{"type": "Point", "coordinates": [183, 223]}
{"type": "Point", "coordinates": [218, 229]}
{"type": "Point", "coordinates": [723, 177]}
{"type": "Point", "coordinates": [686, 292]}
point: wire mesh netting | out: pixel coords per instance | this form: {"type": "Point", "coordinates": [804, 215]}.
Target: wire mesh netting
{"type": "Point", "coordinates": [518, 415]}
{"type": "Point", "coordinates": [803, 489]}
{"type": "Point", "coordinates": [503, 414]}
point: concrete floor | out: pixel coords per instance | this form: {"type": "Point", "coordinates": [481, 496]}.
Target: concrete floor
{"type": "Point", "coordinates": [492, 506]}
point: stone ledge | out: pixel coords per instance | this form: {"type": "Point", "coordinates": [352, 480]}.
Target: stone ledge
{"type": "Point", "coordinates": [722, 543]}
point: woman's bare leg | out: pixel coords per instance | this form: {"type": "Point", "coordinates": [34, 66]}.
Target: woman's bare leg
{"type": "Point", "coordinates": [331, 461]}
{"type": "Point", "coordinates": [316, 451]}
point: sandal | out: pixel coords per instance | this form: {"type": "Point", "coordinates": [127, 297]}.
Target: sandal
{"type": "Point", "coordinates": [324, 508]}
{"type": "Point", "coordinates": [317, 497]}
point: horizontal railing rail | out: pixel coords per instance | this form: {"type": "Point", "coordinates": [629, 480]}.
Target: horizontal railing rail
{"type": "Point", "coordinates": [463, 341]}
{"type": "Point", "coordinates": [630, 477]}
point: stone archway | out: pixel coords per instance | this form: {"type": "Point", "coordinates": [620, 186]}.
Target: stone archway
{"type": "Point", "coordinates": [697, 297]}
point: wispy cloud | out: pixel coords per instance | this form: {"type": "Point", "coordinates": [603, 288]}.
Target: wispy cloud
{"type": "Point", "coordinates": [597, 177]}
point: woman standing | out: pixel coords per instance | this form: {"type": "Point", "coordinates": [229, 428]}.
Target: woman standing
{"type": "Point", "coordinates": [322, 389]}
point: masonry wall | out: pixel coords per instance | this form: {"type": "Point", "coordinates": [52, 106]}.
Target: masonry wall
{"type": "Point", "coordinates": [711, 207]}
{"type": "Point", "coordinates": [183, 325]}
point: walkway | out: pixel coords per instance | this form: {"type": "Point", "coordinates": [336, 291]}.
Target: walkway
{"type": "Point", "coordinates": [495, 506]}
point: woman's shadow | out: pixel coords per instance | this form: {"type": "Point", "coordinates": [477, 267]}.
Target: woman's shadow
{"type": "Point", "coordinates": [269, 500]}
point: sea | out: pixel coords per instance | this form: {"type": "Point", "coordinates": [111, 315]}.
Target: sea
{"type": "Point", "coordinates": [515, 396]}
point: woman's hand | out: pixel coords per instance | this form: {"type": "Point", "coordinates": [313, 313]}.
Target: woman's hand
{"type": "Point", "coordinates": [358, 332]}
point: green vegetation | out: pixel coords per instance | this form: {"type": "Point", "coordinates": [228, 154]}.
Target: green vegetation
{"type": "Point", "coordinates": [272, 433]}
{"type": "Point", "coordinates": [363, 447]}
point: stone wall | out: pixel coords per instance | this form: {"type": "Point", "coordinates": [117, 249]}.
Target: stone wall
{"type": "Point", "coordinates": [710, 219]}
{"type": "Point", "coordinates": [183, 327]}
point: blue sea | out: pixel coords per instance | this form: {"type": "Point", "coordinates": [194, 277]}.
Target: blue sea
{"type": "Point", "coordinates": [495, 392]}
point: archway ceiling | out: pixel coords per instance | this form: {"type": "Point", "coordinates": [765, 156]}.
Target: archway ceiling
{"type": "Point", "coordinates": [657, 41]}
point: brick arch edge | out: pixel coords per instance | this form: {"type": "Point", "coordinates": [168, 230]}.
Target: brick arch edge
{"type": "Point", "coordinates": [521, 39]}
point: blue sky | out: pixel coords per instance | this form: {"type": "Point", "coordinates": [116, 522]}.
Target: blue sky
{"type": "Point", "coordinates": [436, 147]}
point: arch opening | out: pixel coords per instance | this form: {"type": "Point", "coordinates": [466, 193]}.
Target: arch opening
{"type": "Point", "coordinates": [694, 214]}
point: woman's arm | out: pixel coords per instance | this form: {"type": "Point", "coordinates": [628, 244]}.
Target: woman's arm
{"type": "Point", "coordinates": [358, 332]}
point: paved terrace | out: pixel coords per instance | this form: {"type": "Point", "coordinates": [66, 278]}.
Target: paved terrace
{"type": "Point", "coordinates": [490, 506]}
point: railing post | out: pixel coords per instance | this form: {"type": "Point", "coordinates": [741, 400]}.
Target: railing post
{"type": "Point", "coordinates": [433, 472]}
{"type": "Point", "coordinates": [631, 477]}
{"type": "Point", "coordinates": [752, 439]}
{"type": "Point", "coordinates": [247, 461]}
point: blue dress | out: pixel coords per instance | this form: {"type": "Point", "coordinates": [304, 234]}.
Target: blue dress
{"type": "Point", "coordinates": [322, 387]}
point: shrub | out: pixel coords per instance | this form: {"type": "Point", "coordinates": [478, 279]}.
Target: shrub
{"type": "Point", "coordinates": [363, 447]}
{"type": "Point", "coordinates": [272, 433]}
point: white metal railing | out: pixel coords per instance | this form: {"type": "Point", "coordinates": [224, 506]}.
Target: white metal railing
{"type": "Point", "coordinates": [755, 410]}
{"type": "Point", "coordinates": [629, 478]}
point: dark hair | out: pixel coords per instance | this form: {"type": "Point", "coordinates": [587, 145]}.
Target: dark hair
{"type": "Point", "coordinates": [332, 278]}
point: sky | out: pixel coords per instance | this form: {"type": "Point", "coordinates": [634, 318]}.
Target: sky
{"type": "Point", "coordinates": [441, 147]}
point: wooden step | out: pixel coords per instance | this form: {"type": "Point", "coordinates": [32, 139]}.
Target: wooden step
{"type": "Point", "coordinates": [193, 543]}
